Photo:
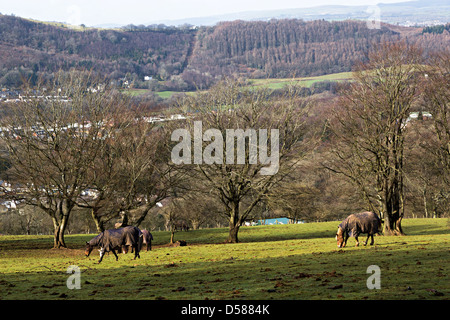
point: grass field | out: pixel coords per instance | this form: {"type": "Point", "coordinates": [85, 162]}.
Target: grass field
{"type": "Point", "coordinates": [266, 83]}
{"type": "Point", "coordinates": [271, 262]}
{"type": "Point", "coordinates": [305, 81]}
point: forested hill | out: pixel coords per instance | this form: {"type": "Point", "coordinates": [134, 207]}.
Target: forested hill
{"type": "Point", "coordinates": [187, 57]}
{"type": "Point", "coordinates": [282, 48]}
{"type": "Point", "coordinates": [43, 48]}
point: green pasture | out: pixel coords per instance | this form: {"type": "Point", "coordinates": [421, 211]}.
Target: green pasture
{"type": "Point", "coordinates": [165, 94]}
{"type": "Point", "coordinates": [304, 81]}
{"type": "Point", "coordinates": [271, 262]}
{"type": "Point", "coordinates": [271, 83]}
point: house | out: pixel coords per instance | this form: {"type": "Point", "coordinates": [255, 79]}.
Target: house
{"type": "Point", "coordinates": [415, 115]}
{"type": "Point", "coordinates": [418, 115]}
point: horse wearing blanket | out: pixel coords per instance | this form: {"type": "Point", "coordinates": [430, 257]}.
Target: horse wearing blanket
{"type": "Point", "coordinates": [355, 224]}
{"type": "Point", "coordinates": [115, 239]}
{"type": "Point", "coordinates": [146, 239]}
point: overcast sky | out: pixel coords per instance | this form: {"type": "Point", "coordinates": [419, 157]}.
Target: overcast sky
{"type": "Point", "coordinates": [96, 12]}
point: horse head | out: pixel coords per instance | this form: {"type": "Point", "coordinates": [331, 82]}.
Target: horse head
{"type": "Point", "coordinates": [340, 238]}
{"type": "Point", "coordinates": [88, 249]}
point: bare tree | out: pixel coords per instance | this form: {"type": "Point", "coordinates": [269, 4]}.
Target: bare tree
{"type": "Point", "coordinates": [53, 137]}
{"type": "Point", "coordinates": [437, 100]}
{"type": "Point", "coordinates": [145, 175]}
{"type": "Point", "coordinates": [370, 124]}
{"type": "Point", "coordinates": [295, 200]}
{"type": "Point", "coordinates": [232, 127]}
{"type": "Point", "coordinates": [132, 173]}
{"type": "Point", "coordinates": [427, 188]}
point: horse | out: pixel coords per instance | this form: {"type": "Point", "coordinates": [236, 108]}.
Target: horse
{"type": "Point", "coordinates": [115, 239]}
{"type": "Point", "coordinates": [354, 224]}
{"type": "Point", "coordinates": [146, 239]}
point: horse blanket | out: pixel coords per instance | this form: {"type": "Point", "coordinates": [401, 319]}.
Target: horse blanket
{"type": "Point", "coordinates": [364, 222]}
{"type": "Point", "coordinates": [116, 238]}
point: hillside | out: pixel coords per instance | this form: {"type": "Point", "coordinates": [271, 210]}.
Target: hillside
{"type": "Point", "coordinates": [39, 48]}
{"type": "Point", "coordinates": [185, 58]}
{"type": "Point", "coordinates": [283, 48]}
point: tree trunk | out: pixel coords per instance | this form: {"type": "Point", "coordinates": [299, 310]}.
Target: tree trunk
{"type": "Point", "coordinates": [55, 234]}
{"type": "Point", "coordinates": [59, 228]}
{"type": "Point", "coordinates": [98, 222]}
{"type": "Point", "coordinates": [28, 224]}
{"type": "Point", "coordinates": [235, 223]}
{"type": "Point", "coordinates": [195, 224]}
{"type": "Point", "coordinates": [172, 234]}
{"type": "Point", "coordinates": [124, 217]}
{"type": "Point", "coordinates": [63, 212]}
{"type": "Point", "coordinates": [393, 196]}
{"type": "Point", "coordinates": [392, 224]}
{"type": "Point", "coordinates": [425, 204]}
{"type": "Point", "coordinates": [233, 234]}
{"type": "Point", "coordinates": [393, 210]}
{"type": "Point", "coordinates": [61, 241]}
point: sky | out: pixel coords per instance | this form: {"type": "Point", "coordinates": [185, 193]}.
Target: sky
{"type": "Point", "coordinates": [122, 12]}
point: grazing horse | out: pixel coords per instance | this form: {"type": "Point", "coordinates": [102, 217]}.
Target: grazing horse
{"type": "Point", "coordinates": [354, 224]}
{"type": "Point", "coordinates": [146, 239]}
{"type": "Point", "coordinates": [115, 239]}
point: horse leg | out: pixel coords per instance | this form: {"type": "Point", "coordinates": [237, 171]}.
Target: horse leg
{"type": "Point", "coordinates": [365, 242]}
{"type": "Point", "coordinates": [141, 242]}
{"type": "Point", "coordinates": [115, 254]}
{"type": "Point", "coordinates": [357, 241]}
{"type": "Point", "coordinates": [136, 252]}
{"type": "Point", "coordinates": [345, 240]}
{"type": "Point", "coordinates": [371, 241]}
{"type": "Point", "coordinates": [102, 253]}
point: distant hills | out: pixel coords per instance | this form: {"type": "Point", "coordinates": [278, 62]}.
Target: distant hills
{"type": "Point", "coordinates": [408, 13]}
{"type": "Point", "coordinates": [183, 58]}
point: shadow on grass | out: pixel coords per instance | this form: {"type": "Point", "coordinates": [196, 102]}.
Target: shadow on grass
{"type": "Point", "coordinates": [426, 228]}
{"type": "Point", "coordinates": [332, 274]}
{"type": "Point", "coordinates": [40, 242]}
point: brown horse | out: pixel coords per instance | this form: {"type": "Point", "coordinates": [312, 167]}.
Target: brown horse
{"type": "Point", "coordinates": [355, 224]}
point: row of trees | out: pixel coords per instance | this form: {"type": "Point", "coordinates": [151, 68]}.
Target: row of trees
{"type": "Point", "coordinates": [330, 155]}
{"type": "Point", "coordinates": [73, 140]}
{"type": "Point", "coordinates": [79, 148]}
{"type": "Point", "coordinates": [376, 145]}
